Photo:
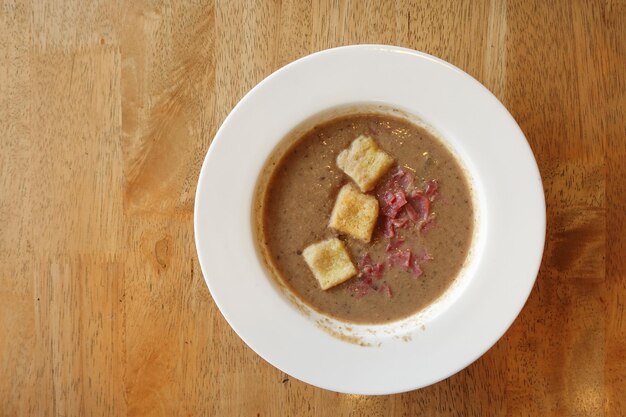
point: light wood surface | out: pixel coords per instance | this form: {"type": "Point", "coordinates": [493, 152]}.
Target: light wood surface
{"type": "Point", "coordinates": [106, 111]}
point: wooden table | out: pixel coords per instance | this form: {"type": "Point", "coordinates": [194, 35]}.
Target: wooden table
{"type": "Point", "coordinates": [106, 111]}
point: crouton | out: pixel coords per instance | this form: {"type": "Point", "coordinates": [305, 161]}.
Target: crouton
{"type": "Point", "coordinates": [330, 262]}
{"type": "Point", "coordinates": [354, 213]}
{"type": "Point", "coordinates": [364, 162]}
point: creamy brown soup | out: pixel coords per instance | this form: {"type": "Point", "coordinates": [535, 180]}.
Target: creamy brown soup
{"type": "Point", "coordinates": [412, 258]}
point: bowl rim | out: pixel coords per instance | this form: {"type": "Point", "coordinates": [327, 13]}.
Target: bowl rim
{"type": "Point", "coordinates": [363, 50]}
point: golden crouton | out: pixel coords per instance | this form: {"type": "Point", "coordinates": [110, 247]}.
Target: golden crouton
{"type": "Point", "coordinates": [330, 263]}
{"type": "Point", "coordinates": [364, 162]}
{"type": "Point", "coordinates": [354, 213]}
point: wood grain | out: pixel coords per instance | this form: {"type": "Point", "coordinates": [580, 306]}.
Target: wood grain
{"type": "Point", "coordinates": [106, 111]}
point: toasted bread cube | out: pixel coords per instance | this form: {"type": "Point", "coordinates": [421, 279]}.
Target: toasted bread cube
{"type": "Point", "coordinates": [354, 213]}
{"type": "Point", "coordinates": [330, 263]}
{"type": "Point", "coordinates": [364, 162]}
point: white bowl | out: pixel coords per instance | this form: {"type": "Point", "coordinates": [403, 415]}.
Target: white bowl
{"type": "Point", "coordinates": [486, 297]}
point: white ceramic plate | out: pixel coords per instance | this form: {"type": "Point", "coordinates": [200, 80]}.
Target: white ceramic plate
{"type": "Point", "coordinates": [505, 257]}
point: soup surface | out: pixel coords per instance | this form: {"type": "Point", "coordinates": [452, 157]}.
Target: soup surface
{"type": "Point", "coordinates": [411, 259]}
